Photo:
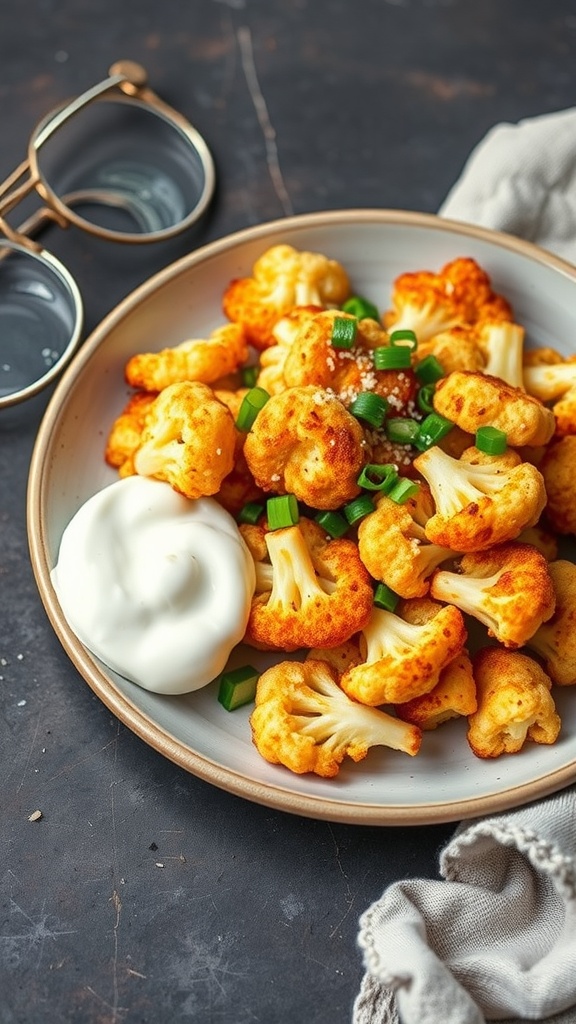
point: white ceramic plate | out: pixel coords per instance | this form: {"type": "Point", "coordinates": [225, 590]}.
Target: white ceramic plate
{"type": "Point", "coordinates": [445, 781]}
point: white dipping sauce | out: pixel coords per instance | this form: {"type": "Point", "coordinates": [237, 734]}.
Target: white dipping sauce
{"type": "Point", "coordinates": [155, 585]}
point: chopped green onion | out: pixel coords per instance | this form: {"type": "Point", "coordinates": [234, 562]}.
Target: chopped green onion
{"type": "Point", "coordinates": [403, 490]}
{"type": "Point", "coordinates": [402, 429]}
{"type": "Point", "coordinates": [392, 357]}
{"type": "Point", "coordinates": [369, 407]}
{"type": "Point", "coordinates": [237, 687]}
{"type": "Point", "coordinates": [251, 405]}
{"type": "Point", "coordinates": [358, 508]}
{"type": "Point", "coordinates": [250, 375]}
{"type": "Point", "coordinates": [282, 511]}
{"type": "Point", "coordinates": [432, 430]}
{"type": "Point", "coordinates": [429, 370]}
{"type": "Point", "coordinates": [332, 522]}
{"type": "Point", "coordinates": [491, 440]}
{"type": "Point", "coordinates": [425, 396]}
{"type": "Point", "coordinates": [250, 513]}
{"type": "Point", "coordinates": [385, 598]}
{"type": "Point", "coordinates": [378, 477]}
{"type": "Point", "coordinates": [360, 307]}
{"type": "Point", "coordinates": [344, 331]}
{"type": "Point", "coordinates": [405, 338]}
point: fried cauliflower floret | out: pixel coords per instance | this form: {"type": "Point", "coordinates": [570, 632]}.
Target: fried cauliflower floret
{"type": "Point", "coordinates": [126, 432]}
{"type": "Point", "coordinates": [454, 696]}
{"type": "Point", "coordinates": [502, 345]}
{"type": "Point", "coordinates": [508, 588]}
{"type": "Point", "coordinates": [514, 704]}
{"type": "Point", "coordinates": [199, 359]}
{"type": "Point", "coordinates": [281, 278]}
{"type": "Point", "coordinates": [304, 721]}
{"type": "Point", "coordinates": [314, 592]}
{"type": "Point", "coordinates": [238, 487]}
{"type": "Point", "coordinates": [480, 502]}
{"type": "Point", "coordinates": [284, 333]}
{"type": "Point", "coordinates": [306, 443]}
{"type": "Point", "coordinates": [403, 660]}
{"type": "Point", "coordinates": [555, 640]}
{"type": "Point", "coordinates": [473, 399]}
{"type": "Point", "coordinates": [555, 383]}
{"type": "Point", "coordinates": [428, 303]}
{"type": "Point", "coordinates": [557, 468]}
{"type": "Point", "coordinates": [395, 549]}
{"type": "Point", "coordinates": [188, 440]}
{"type": "Point", "coordinates": [456, 348]}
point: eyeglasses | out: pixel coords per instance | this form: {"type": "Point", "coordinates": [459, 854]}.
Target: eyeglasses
{"type": "Point", "coordinates": [116, 162]}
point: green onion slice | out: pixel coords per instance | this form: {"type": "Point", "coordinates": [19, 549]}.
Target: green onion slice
{"type": "Point", "coordinates": [385, 598]}
{"type": "Point", "coordinates": [360, 307]}
{"type": "Point", "coordinates": [282, 511]}
{"type": "Point", "coordinates": [491, 440]}
{"type": "Point", "coordinates": [378, 477]}
{"type": "Point", "coordinates": [369, 407]}
{"type": "Point", "coordinates": [392, 358]}
{"type": "Point", "coordinates": [425, 397]}
{"type": "Point", "coordinates": [358, 508]}
{"type": "Point", "coordinates": [250, 513]}
{"type": "Point", "coordinates": [334, 524]}
{"type": "Point", "coordinates": [402, 429]}
{"type": "Point", "coordinates": [250, 375]}
{"type": "Point", "coordinates": [429, 370]}
{"type": "Point", "coordinates": [237, 687]}
{"type": "Point", "coordinates": [432, 429]}
{"type": "Point", "coordinates": [344, 332]}
{"type": "Point", "coordinates": [252, 403]}
{"type": "Point", "coordinates": [405, 338]}
{"type": "Point", "coordinates": [403, 490]}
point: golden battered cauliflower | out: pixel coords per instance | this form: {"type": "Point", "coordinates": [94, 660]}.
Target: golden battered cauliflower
{"type": "Point", "coordinates": [456, 348]}
{"type": "Point", "coordinates": [514, 704]}
{"type": "Point", "coordinates": [201, 359]}
{"type": "Point", "coordinates": [314, 592]}
{"type": "Point", "coordinates": [238, 487]}
{"type": "Point", "coordinates": [304, 721]}
{"type": "Point", "coordinates": [403, 660]}
{"type": "Point", "coordinates": [502, 345]}
{"type": "Point", "coordinates": [188, 440]}
{"type": "Point", "coordinates": [454, 696]}
{"type": "Point", "coordinates": [555, 383]}
{"type": "Point", "coordinates": [281, 278]}
{"type": "Point", "coordinates": [474, 399]}
{"type": "Point", "coordinates": [557, 468]}
{"type": "Point", "coordinates": [273, 358]}
{"type": "Point", "coordinates": [126, 432]}
{"type": "Point", "coordinates": [480, 501]}
{"type": "Point", "coordinates": [555, 640]}
{"type": "Point", "coordinates": [305, 442]}
{"type": "Point", "coordinates": [508, 588]}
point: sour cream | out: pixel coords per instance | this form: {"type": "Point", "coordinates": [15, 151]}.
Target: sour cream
{"type": "Point", "coordinates": [158, 587]}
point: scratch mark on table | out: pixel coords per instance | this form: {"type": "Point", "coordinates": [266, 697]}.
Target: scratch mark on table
{"type": "Point", "coordinates": [32, 934]}
{"type": "Point", "coordinates": [76, 764]}
{"type": "Point", "coordinates": [247, 55]}
{"type": "Point", "coordinates": [29, 756]}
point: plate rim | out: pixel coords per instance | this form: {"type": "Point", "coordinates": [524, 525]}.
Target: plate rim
{"type": "Point", "coordinates": [156, 736]}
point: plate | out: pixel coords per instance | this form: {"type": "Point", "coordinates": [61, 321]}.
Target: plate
{"type": "Point", "coordinates": [445, 782]}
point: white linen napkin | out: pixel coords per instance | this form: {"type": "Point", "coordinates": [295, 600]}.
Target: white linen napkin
{"type": "Point", "coordinates": [495, 937]}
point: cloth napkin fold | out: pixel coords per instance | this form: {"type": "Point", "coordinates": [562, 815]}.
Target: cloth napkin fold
{"type": "Point", "coordinates": [495, 937]}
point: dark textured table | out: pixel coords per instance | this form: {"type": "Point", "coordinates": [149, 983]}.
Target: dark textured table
{"type": "Point", "coordinates": [306, 105]}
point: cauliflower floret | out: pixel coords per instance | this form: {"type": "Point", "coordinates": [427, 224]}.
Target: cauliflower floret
{"type": "Point", "coordinates": [188, 440]}
{"type": "Point", "coordinates": [557, 468]}
{"type": "Point", "coordinates": [304, 721]}
{"type": "Point", "coordinates": [238, 487]}
{"type": "Point", "coordinates": [514, 704]}
{"type": "Point", "coordinates": [305, 442]}
{"type": "Point", "coordinates": [395, 549]}
{"type": "Point", "coordinates": [542, 539]}
{"type": "Point", "coordinates": [283, 277]}
{"type": "Point", "coordinates": [556, 383]}
{"type": "Point", "coordinates": [455, 349]}
{"type": "Point", "coordinates": [502, 344]}
{"type": "Point", "coordinates": [473, 399]}
{"type": "Point", "coordinates": [480, 502]}
{"type": "Point", "coordinates": [508, 588]}
{"type": "Point", "coordinates": [428, 303]}
{"type": "Point", "coordinates": [200, 359]}
{"type": "Point", "coordinates": [126, 432]}
{"type": "Point", "coordinates": [403, 660]}
{"type": "Point", "coordinates": [453, 696]}
{"type": "Point", "coordinates": [272, 359]}
{"type": "Point", "coordinates": [555, 640]}
{"type": "Point", "coordinates": [314, 593]}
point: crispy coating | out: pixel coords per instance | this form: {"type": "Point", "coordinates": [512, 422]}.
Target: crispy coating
{"type": "Point", "coordinates": [454, 696]}
{"type": "Point", "coordinates": [395, 549]}
{"type": "Point", "coordinates": [557, 468]}
{"type": "Point", "coordinates": [514, 704]}
{"type": "Point", "coordinates": [238, 487]}
{"type": "Point", "coordinates": [508, 588]}
{"type": "Point", "coordinates": [283, 277]}
{"type": "Point", "coordinates": [455, 348]}
{"type": "Point", "coordinates": [555, 383]}
{"type": "Point", "coordinates": [314, 592]}
{"type": "Point", "coordinates": [273, 358]}
{"type": "Point", "coordinates": [474, 399]}
{"type": "Point", "coordinates": [305, 442]}
{"type": "Point", "coordinates": [200, 359]}
{"type": "Point", "coordinates": [555, 640]}
{"type": "Point", "coordinates": [188, 440]}
{"type": "Point", "coordinates": [126, 432]}
{"type": "Point", "coordinates": [480, 501]}
{"type": "Point", "coordinates": [403, 660]}
{"type": "Point", "coordinates": [304, 721]}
